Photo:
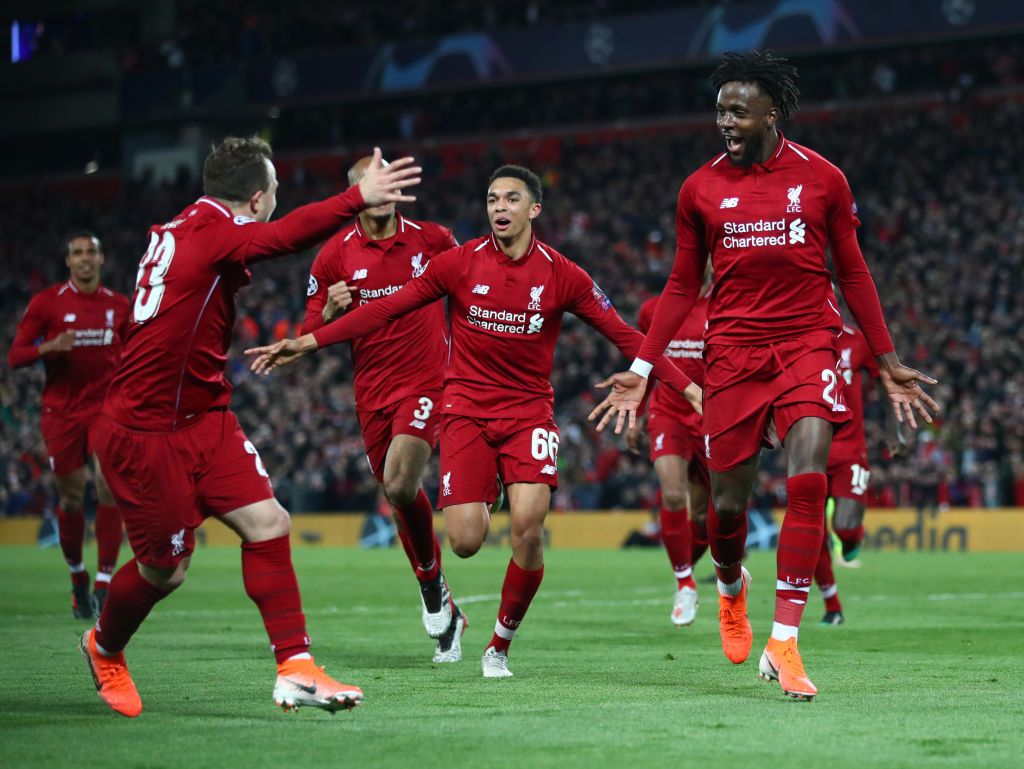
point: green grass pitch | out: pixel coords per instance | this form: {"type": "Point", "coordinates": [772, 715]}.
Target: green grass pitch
{"type": "Point", "coordinates": [928, 671]}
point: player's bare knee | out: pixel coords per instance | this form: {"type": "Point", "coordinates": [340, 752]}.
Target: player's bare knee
{"type": "Point", "coordinates": [169, 578]}
{"type": "Point", "coordinates": [528, 545]}
{"type": "Point", "coordinates": [673, 498]}
{"type": "Point", "coordinates": [727, 506]}
{"type": "Point", "coordinates": [401, 492]}
{"type": "Point", "coordinates": [465, 546]}
{"type": "Point", "coordinates": [71, 502]}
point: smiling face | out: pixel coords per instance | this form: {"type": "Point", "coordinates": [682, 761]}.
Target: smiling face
{"type": "Point", "coordinates": [746, 118]}
{"type": "Point", "coordinates": [510, 208]}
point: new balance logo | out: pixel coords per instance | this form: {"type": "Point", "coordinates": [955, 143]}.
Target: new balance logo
{"type": "Point", "coordinates": [797, 231]}
{"type": "Point", "coordinates": [548, 470]}
{"type": "Point", "coordinates": [536, 322]}
{"type": "Point", "coordinates": [480, 288]}
{"type": "Point", "coordinates": [358, 274]}
{"type": "Point", "coordinates": [730, 202]}
{"type": "Point", "coordinates": [446, 481]}
{"type": "Point", "coordinates": [419, 424]}
{"type": "Point", "coordinates": [70, 317]}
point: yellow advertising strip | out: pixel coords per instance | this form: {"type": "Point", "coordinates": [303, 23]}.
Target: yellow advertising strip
{"type": "Point", "coordinates": [956, 530]}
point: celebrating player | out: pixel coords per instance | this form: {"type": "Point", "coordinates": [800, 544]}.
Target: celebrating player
{"type": "Point", "coordinates": [398, 378]}
{"type": "Point", "coordinates": [765, 210]}
{"type": "Point", "coordinates": [676, 434]}
{"type": "Point", "coordinates": [173, 451]}
{"type": "Point", "coordinates": [76, 328]}
{"type": "Point", "coordinates": [507, 293]}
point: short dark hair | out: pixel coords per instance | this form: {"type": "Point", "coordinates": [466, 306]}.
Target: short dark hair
{"type": "Point", "coordinates": [234, 169]}
{"type": "Point", "coordinates": [774, 75]}
{"type": "Point", "coordinates": [84, 234]}
{"type": "Point", "coordinates": [525, 175]}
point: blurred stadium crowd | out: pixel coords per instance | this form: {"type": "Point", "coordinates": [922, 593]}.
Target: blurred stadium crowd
{"type": "Point", "coordinates": [940, 188]}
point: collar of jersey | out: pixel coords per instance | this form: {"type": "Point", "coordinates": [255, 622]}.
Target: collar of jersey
{"type": "Point", "coordinates": [497, 249]}
{"type": "Point", "coordinates": [394, 239]}
{"type": "Point", "coordinates": [769, 164]}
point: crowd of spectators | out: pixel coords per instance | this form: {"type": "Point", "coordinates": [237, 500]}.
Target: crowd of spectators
{"type": "Point", "coordinates": [940, 193]}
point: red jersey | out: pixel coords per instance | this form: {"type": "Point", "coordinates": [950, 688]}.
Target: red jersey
{"type": "Point", "coordinates": [407, 356]}
{"type": "Point", "coordinates": [766, 228]}
{"type": "Point", "coordinates": [686, 350]}
{"type": "Point", "coordinates": [506, 316]}
{"type": "Point", "coordinates": [172, 367]}
{"type": "Point", "coordinates": [854, 357]}
{"type": "Point", "coordinates": [76, 380]}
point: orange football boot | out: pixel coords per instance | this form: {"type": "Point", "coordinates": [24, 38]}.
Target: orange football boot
{"type": "Point", "coordinates": [301, 682]}
{"type": "Point", "coordinates": [781, 662]}
{"type": "Point", "coordinates": [733, 624]}
{"type": "Point", "coordinates": [114, 684]}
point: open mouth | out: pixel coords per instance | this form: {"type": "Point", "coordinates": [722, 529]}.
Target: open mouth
{"type": "Point", "coordinates": [502, 223]}
{"type": "Point", "coordinates": [733, 144]}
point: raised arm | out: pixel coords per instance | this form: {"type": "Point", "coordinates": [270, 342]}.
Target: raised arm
{"type": "Point", "coordinates": [308, 225]}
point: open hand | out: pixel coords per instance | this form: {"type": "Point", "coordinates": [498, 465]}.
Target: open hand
{"type": "Point", "coordinates": [384, 183]}
{"type": "Point", "coordinates": [281, 353]}
{"type": "Point", "coordinates": [627, 390]}
{"type": "Point", "coordinates": [902, 386]}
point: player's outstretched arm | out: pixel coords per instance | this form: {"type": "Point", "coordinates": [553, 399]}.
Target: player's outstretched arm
{"type": "Point", "coordinates": [309, 224]}
{"type": "Point", "coordinates": [902, 385]}
{"type": "Point", "coordinates": [282, 353]}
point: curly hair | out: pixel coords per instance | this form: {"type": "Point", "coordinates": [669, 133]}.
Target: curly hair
{"type": "Point", "coordinates": [774, 75]}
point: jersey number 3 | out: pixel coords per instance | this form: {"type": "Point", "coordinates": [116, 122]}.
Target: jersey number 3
{"type": "Point", "coordinates": [149, 286]}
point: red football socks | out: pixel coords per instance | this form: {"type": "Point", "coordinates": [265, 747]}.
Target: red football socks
{"type": "Point", "coordinates": [71, 530]}
{"type": "Point", "coordinates": [799, 548]}
{"type": "Point", "coordinates": [727, 537]}
{"type": "Point", "coordinates": [270, 582]}
{"type": "Point", "coordinates": [416, 530]}
{"type": "Point", "coordinates": [516, 594]}
{"type": "Point", "coordinates": [108, 541]}
{"type": "Point", "coordinates": [675, 534]}
{"type": "Point", "coordinates": [698, 540]}
{"type": "Point", "coordinates": [825, 577]}
{"type": "Point", "coordinates": [129, 601]}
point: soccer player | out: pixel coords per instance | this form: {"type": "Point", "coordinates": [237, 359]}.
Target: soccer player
{"type": "Point", "coordinates": [848, 470]}
{"type": "Point", "coordinates": [676, 434]}
{"type": "Point", "coordinates": [173, 451]}
{"type": "Point", "coordinates": [765, 210]}
{"type": "Point", "coordinates": [507, 293]}
{"type": "Point", "coordinates": [398, 378]}
{"type": "Point", "coordinates": [76, 328]}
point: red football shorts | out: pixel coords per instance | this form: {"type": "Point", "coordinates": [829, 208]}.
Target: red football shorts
{"type": "Point", "coordinates": [69, 439]}
{"type": "Point", "coordinates": [676, 435]}
{"type": "Point", "coordinates": [166, 483]}
{"type": "Point", "coordinates": [475, 452]}
{"type": "Point", "coordinates": [848, 470]}
{"type": "Point", "coordinates": [417, 416]}
{"type": "Point", "coordinates": [747, 386]}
